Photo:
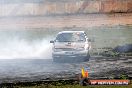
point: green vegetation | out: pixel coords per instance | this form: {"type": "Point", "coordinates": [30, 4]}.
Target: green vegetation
{"type": "Point", "coordinates": [78, 86]}
{"type": "Point", "coordinates": [103, 36]}
{"type": "Point", "coordinates": [61, 84]}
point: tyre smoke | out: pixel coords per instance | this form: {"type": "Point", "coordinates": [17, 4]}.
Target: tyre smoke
{"type": "Point", "coordinates": [23, 49]}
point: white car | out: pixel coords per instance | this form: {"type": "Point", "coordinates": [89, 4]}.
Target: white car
{"type": "Point", "coordinates": [71, 46]}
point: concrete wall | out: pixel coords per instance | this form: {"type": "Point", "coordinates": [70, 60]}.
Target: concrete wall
{"type": "Point", "coordinates": [70, 7]}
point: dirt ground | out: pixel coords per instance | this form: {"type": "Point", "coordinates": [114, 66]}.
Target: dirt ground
{"type": "Point", "coordinates": [37, 70]}
{"type": "Point", "coordinates": [80, 20]}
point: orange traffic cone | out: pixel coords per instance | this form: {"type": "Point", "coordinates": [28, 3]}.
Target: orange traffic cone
{"type": "Point", "coordinates": [86, 74]}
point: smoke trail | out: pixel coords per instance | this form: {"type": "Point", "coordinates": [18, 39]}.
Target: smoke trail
{"type": "Point", "coordinates": [16, 48]}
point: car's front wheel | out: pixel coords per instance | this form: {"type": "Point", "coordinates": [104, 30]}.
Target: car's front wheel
{"type": "Point", "coordinates": [55, 59]}
{"type": "Point", "coordinates": [88, 56]}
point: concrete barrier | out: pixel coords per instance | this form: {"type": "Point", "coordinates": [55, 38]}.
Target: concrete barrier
{"type": "Point", "coordinates": [69, 7]}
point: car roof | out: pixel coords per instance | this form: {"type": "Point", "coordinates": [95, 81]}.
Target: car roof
{"type": "Point", "coordinates": [71, 32]}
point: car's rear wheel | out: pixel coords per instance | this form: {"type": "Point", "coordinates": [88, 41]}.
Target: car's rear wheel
{"type": "Point", "coordinates": [88, 57]}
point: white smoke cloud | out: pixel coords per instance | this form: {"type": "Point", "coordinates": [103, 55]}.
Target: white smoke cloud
{"type": "Point", "coordinates": [16, 48]}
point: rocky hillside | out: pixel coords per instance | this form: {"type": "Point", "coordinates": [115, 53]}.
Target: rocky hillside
{"type": "Point", "coordinates": [62, 7]}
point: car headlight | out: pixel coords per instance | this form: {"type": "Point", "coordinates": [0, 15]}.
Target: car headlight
{"type": "Point", "coordinates": [87, 46]}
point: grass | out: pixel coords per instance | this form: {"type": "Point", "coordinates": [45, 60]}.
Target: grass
{"type": "Point", "coordinates": [78, 86]}
{"type": "Point", "coordinates": [103, 36]}
{"type": "Point", "coordinates": [64, 84]}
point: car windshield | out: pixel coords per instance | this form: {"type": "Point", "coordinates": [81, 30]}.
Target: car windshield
{"type": "Point", "coordinates": [71, 37]}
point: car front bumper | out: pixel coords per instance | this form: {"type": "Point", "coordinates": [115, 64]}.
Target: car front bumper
{"type": "Point", "coordinates": [70, 54]}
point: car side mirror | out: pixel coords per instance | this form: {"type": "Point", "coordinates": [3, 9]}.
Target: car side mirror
{"type": "Point", "coordinates": [91, 40]}
{"type": "Point", "coordinates": [52, 41]}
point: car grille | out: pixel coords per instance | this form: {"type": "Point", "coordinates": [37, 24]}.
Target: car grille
{"type": "Point", "coordinates": [67, 49]}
